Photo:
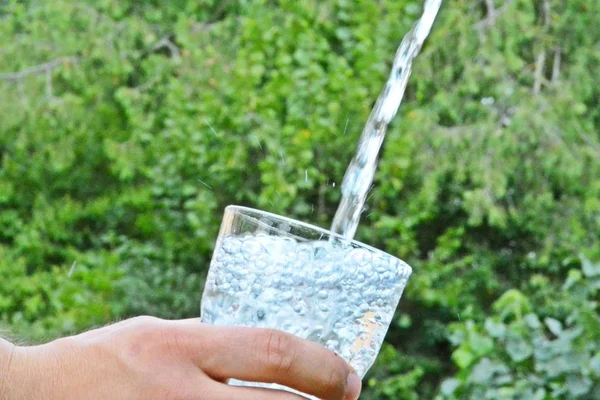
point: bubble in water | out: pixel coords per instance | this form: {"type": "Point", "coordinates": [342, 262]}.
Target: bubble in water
{"type": "Point", "coordinates": [260, 313]}
{"type": "Point", "coordinates": [332, 344]}
{"type": "Point", "coordinates": [231, 245]}
{"type": "Point", "coordinates": [250, 250]}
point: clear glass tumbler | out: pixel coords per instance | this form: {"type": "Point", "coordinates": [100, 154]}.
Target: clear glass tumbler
{"type": "Point", "coordinates": [270, 271]}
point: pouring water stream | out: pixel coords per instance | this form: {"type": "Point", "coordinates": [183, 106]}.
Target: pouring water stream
{"type": "Point", "coordinates": [360, 172]}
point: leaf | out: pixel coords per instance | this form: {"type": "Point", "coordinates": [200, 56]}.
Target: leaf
{"type": "Point", "coordinates": [570, 334]}
{"type": "Point", "coordinates": [413, 8]}
{"type": "Point", "coordinates": [577, 386]}
{"type": "Point", "coordinates": [539, 394]}
{"type": "Point", "coordinates": [481, 345]}
{"type": "Point", "coordinates": [512, 303]}
{"type": "Point", "coordinates": [485, 370]}
{"type": "Point", "coordinates": [495, 329]}
{"type": "Point", "coordinates": [573, 278]}
{"type": "Point", "coordinates": [589, 269]}
{"type": "Point", "coordinates": [595, 365]}
{"type": "Point", "coordinates": [518, 349]}
{"type": "Point", "coordinates": [554, 325]}
{"type": "Point", "coordinates": [463, 357]}
{"type": "Point", "coordinates": [558, 365]}
{"type": "Point", "coordinates": [532, 321]}
{"type": "Point", "coordinates": [449, 386]}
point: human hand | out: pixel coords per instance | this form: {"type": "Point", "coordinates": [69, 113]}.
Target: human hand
{"type": "Point", "coordinates": [152, 359]}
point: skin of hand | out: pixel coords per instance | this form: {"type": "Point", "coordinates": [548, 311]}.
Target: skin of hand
{"type": "Point", "coordinates": [148, 358]}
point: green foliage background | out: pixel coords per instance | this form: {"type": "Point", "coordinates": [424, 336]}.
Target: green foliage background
{"type": "Point", "coordinates": [133, 124]}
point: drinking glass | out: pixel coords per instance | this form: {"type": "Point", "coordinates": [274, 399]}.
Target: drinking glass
{"type": "Point", "coordinates": [270, 271]}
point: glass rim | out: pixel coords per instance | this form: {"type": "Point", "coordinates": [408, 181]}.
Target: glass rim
{"type": "Point", "coordinates": [315, 228]}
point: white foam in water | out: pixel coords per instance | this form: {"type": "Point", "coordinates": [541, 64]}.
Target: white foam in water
{"type": "Point", "coordinates": [329, 292]}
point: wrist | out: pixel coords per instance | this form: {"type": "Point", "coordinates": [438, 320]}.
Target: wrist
{"type": "Point", "coordinates": [7, 351]}
{"type": "Point", "coordinates": [24, 372]}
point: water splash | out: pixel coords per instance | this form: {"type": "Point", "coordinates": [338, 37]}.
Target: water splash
{"type": "Point", "coordinates": [360, 172]}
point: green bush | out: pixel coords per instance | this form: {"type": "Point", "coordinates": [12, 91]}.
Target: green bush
{"type": "Point", "coordinates": [518, 352]}
{"type": "Point", "coordinates": [131, 125]}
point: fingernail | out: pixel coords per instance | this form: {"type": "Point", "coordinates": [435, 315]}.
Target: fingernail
{"type": "Point", "coordinates": [353, 386]}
